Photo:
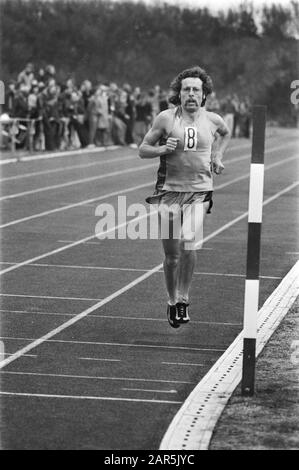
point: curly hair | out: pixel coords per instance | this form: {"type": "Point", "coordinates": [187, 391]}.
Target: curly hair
{"type": "Point", "coordinates": [196, 72]}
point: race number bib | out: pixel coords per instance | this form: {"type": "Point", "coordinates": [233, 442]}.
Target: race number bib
{"type": "Point", "coordinates": [190, 139]}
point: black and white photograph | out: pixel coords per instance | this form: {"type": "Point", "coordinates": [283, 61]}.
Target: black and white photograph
{"type": "Point", "coordinates": [149, 227]}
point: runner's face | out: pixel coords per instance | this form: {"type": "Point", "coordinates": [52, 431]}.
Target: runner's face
{"type": "Point", "coordinates": [191, 94]}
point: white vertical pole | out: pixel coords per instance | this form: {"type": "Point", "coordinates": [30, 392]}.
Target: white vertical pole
{"type": "Point", "coordinates": [251, 300]}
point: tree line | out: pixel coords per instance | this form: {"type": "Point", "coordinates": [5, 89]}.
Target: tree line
{"type": "Point", "coordinates": [248, 52]}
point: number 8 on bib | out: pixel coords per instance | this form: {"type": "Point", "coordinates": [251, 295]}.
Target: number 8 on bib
{"type": "Point", "coordinates": [190, 139]}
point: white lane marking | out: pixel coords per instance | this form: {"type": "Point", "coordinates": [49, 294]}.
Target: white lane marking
{"type": "Point", "coordinates": [115, 193]}
{"type": "Point", "coordinates": [99, 242]}
{"type": "Point", "coordinates": [98, 359]}
{"type": "Point", "coordinates": [76, 204]}
{"type": "Point", "coordinates": [91, 237]}
{"type": "Point", "coordinates": [86, 243]}
{"type": "Point", "coordinates": [29, 312]}
{"type": "Point", "coordinates": [146, 390]}
{"type": "Point", "coordinates": [67, 168]}
{"type": "Point", "coordinates": [77, 397]}
{"type": "Point", "coordinates": [92, 377]}
{"type": "Point", "coordinates": [108, 268]}
{"type": "Point", "coordinates": [246, 175]}
{"type": "Point", "coordinates": [46, 297]}
{"type": "Point", "coordinates": [235, 275]}
{"type": "Point", "coordinates": [25, 355]}
{"type": "Point", "coordinates": [78, 181]}
{"type": "Point", "coordinates": [126, 345]}
{"type": "Point", "coordinates": [116, 317]}
{"type": "Point", "coordinates": [245, 214]}
{"type": "Point", "coordinates": [67, 153]}
{"type": "Point", "coordinates": [71, 245]}
{"type": "Point", "coordinates": [292, 252]}
{"type": "Point", "coordinates": [127, 287]}
{"type": "Point", "coordinates": [70, 153]}
{"type": "Point", "coordinates": [101, 162]}
{"type": "Point", "coordinates": [182, 364]}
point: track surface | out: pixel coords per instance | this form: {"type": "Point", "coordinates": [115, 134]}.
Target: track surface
{"type": "Point", "coordinates": [115, 377]}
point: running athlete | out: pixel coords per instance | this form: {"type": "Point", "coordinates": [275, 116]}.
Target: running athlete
{"type": "Point", "coordinates": [191, 143]}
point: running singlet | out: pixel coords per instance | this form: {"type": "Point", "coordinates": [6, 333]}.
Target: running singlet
{"type": "Point", "coordinates": [188, 168]}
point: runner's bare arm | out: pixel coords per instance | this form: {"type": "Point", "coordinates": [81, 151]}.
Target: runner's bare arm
{"type": "Point", "coordinates": [220, 144]}
{"type": "Point", "coordinates": [148, 148]}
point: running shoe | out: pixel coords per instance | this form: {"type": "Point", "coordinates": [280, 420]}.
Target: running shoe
{"type": "Point", "coordinates": [182, 315]}
{"type": "Point", "coordinates": [171, 316]}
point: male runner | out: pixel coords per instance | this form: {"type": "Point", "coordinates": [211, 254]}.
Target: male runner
{"type": "Point", "coordinates": [191, 142]}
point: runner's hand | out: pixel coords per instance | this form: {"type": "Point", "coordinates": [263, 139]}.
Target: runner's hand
{"type": "Point", "coordinates": [218, 166]}
{"type": "Point", "coordinates": [171, 144]}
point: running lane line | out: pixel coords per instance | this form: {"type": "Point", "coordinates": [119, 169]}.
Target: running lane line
{"type": "Point", "coordinates": [71, 153]}
{"type": "Point", "coordinates": [129, 286]}
{"type": "Point", "coordinates": [65, 153]}
{"type": "Point", "coordinates": [109, 317]}
{"type": "Point", "coordinates": [91, 164]}
{"type": "Point", "coordinates": [76, 204]}
{"type": "Point", "coordinates": [91, 237]}
{"type": "Point", "coordinates": [67, 168]}
{"type": "Point", "coordinates": [94, 377]}
{"type": "Point", "coordinates": [132, 188]}
{"type": "Point", "coordinates": [138, 270]}
{"type": "Point", "coordinates": [99, 177]}
{"type": "Point", "coordinates": [79, 181]}
{"type": "Point", "coordinates": [124, 345]}
{"type": "Point", "coordinates": [85, 397]}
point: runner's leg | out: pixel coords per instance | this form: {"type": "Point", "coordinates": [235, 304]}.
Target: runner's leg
{"type": "Point", "coordinates": [191, 240]}
{"type": "Point", "coordinates": [170, 231]}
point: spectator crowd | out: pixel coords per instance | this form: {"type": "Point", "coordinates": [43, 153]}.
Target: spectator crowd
{"type": "Point", "coordinates": [67, 116]}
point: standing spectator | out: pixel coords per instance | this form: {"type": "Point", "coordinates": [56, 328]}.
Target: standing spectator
{"type": "Point", "coordinates": [26, 77]}
{"type": "Point", "coordinates": [34, 114]}
{"type": "Point", "coordinates": [103, 112]}
{"type": "Point", "coordinates": [51, 116]}
{"type": "Point", "coordinates": [41, 75]}
{"type": "Point", "coordinates": [236, 105]}
{"type": "Point", "coordinates": [21, 102]}
{"type": "Point", "coordinates": [244, 120]}
{"type": "Point", "coordinates": [117, 104]}
{"type": "Point", "coordinates": [156, 101]}
{"type": "Point", "coordinates": [163, 101]}
{"type": "Point", "coordinates": [154, 105]}
{"type": "Point", "coordinates": [93, 112]}
{"type": "Point", "coordinates": [9, 104]}
{"type": "Point", "coordinates": [86, 92]}
{"type": "Point", "coordinates": [77, 125]}
{"type": "Point", "coordinates": [136, 93]}
{"type": "Point", "coordinates": [21, 111]}
{"type": "Point", "coordinates": [144, 112]}
{"type": "Point", "coordinates": [66, 107]}
{"type": "Point", "coordinates": [50, 73]}
{"type": "Point", "coordinates": [33, 100]}
{"type": "Point", "coordinates": [228, 112]}
{"type": "Point", "coordinates": [213, 103]}
{"type": "Point", "coordinates": [130, 113]}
